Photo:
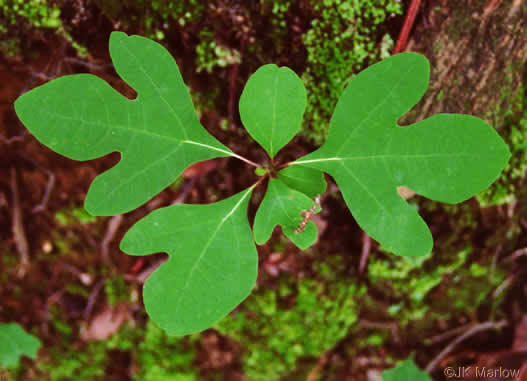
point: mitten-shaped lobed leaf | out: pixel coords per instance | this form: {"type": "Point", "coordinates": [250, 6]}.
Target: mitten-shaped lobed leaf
{"type": "Point", "coordinates": [15, 342]}
{"type": "Point", "coordinates": [272, 106]}
{"type": "Point", "coordinates": [158, 133]}
{"type": "Point", "coordinates": [284, 206]}
{"type": "Point", "coordinates": [212, 263]}
{"type": "Point", "coordinates": [447, 157]}
{"type": "Point", "coordinates": [405, 371]}
{"type": "Point", "coordinates": [309, 181]}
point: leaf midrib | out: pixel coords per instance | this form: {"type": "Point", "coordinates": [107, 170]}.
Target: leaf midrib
{"type": "Point", "coordinates": [136, 131]}
{"type": "Point", "coordinates": [207, 245]}
{"type": "Point", "coordinates": [160, 95]}
{"type": "Point", "coordinates": [390, 156]}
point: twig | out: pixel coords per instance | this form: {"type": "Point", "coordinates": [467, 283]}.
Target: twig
{"type": "Point", "coordinates": [113, 226]}
{"type": "Point", "coordinates": [506, 283]}
{"type": "Point", "coordinates": [89, 65]}
{"type": "Point", "coordinates": [184, 193]}
{"type": "Point", "coordinates": [515, 255]}
{"type": "Point", "coordinates": [494, 261]}
{"type": "Point", "coordinates": [49, 187]}
{"type": "Point", "coordinates": [13, 139]}
{"type": "Point", "coordinates": [438, 338]}
{"type": "Point", "coordinates": [365, 252]}
{"type": "Point", "coordinates": [321, 363]}
{"type": "Point", "coordinates": [54, 298]}
{"type": "Point", "coordinates": [472, 331]}
{"type": "Point", "coordinates": [19, 233]}
{"type": "Point", "coordinates": [92, 299]}
{"type": "Point", "coordinates": [407, 26]}
{"type": "Point", "coordinates": [388, 325]}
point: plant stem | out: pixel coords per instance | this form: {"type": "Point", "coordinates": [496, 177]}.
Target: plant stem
{"type": "Point", "coordinates": [259, 180]}
{"type": "Point", "coordinates": [246, 160]}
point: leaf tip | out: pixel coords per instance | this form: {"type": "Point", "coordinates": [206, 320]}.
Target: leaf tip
{"type": "Point", "coordinates": [117, 36]}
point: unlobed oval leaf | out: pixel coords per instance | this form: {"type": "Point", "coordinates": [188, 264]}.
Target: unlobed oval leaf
{"type": "Point", "coordinates": [212, 263]}
{"type": "Point", "coordinates": [284, 206]}
{"type": "Point", "coordinates": [158, 134]}
{"type": "Point", "coordinates": [272, 106]}
{"type": "Point", "coordinates": [307, 180]}
{"type": "Point", "coordinates": [14, 343]}
{"type": "Point", "coordinates": [447, 157]}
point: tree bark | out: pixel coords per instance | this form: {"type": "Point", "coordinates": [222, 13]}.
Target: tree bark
{"type": "Point", "coordinates": [478, 55]}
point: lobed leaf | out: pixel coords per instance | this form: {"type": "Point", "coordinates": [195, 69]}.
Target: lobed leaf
{"type": "Point", "coordinates": [407, 370]}
{"type": "Point", "coordinates": [283, 206]}
{"type": "Point", "coordinates": [158, 133]}
{"type": "Point", "coordinates": [212, 263]}
{"type": "Point", "coordinates": [272, 106]}
{"type": "Point", "coordinates": [447, 157]}
{"type": "Point", "coordinates": [303, 179]}
{"type": "Point", "coordinates": [15, 342]}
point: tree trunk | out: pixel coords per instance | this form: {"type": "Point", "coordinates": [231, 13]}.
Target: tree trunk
{"type": "Point", "coordinates": [478, 55]}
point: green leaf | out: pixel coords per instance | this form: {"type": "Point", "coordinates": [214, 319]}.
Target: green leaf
{"type": "Point", "coordinates": [212, 263]}
{"type": "Point", "coordinates": [158, 133]}
{"type": "Point", "coordinates": [303, 179]}
{"type": "Point", "coordinates": [405, 371]}
{"type": "Point", "coordinates": [446, 158]}
{"type": "Point", "coordinates": [15, 342]}
{"type": "Point", "coordinates": [272, 106]}
{"type": "Point", "coordinates": [283, 206]}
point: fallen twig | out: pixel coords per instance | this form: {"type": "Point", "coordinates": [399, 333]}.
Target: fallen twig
{"type": "Point", "coordinates": [113, 227]}
{"type": "Point", "coordinates": [518, 253]}
{"type": "Point", "coordinates": [393, 326]}
{"type": "Point", "coordinates": [49, 187]}
{"type": "Point", "coordinates": [13, 139]}
{"type": "Point", "coordinates": [321, 363]}
{"type": "Point", "coordinates": [472, 331]}
{"type": "Point", "coordinates": [365, 252]}
{"type": "Point", "coordinates": [17, 225]}
{"type": "Point", "coordinates": [92, 299]}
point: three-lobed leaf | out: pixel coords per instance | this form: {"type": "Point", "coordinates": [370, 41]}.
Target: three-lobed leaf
{"type": "Point", "coordinates": [447, 157]}
{"type": "Point", "coordinates": [272, 106]}
{"type": "Point", "coordinates": [212, 263]}
{"type": "Point", "coordinates": [14, 343]}
{"type": "Point", "coordinates": [158, 133]}
{"type": "Point", "coordinates": [283, 206]}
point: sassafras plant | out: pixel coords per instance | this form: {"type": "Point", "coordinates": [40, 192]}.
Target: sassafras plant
{"type": "Point", "coordinates": [212, 263]}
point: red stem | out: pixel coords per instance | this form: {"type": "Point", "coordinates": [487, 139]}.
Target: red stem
{"type": "Point", "coordinates": [407, 26]}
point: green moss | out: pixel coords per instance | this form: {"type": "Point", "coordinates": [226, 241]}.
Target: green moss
{"type": "Point", "coordinates": [72, 216]}
{"type": "Point", "coordinates": [20, 18]}
{"type": "Point", "coordinates": [211, 55]}
{"type": "Point", "coordinates": [116, 290]}
{"type": "Point", "coordinates": [509, 185]}
{"type": "Point", "coordinates": [154, 17]}
{"type": "Point", "coordinates": [165, 358]}
{"type": "Point", "coordinates": [86, 362]}
{"type": "Point", "coordinates": [413, 285]}
{"type": "Point", "coordinates": [301, 319]}
{"type": "Point", "coordinates": [342, 40]}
